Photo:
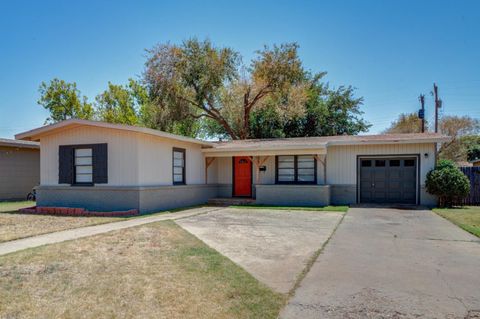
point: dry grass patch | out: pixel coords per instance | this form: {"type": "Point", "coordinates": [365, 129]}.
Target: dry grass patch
{"type": "Point", "coordinates": [15, 226]}
{"type": "Point", "coordinates": [151, 271]}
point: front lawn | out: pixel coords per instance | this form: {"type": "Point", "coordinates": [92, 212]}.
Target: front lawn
{"type": "Point", "coordinates": [150, 271]}
{"type": "Point", "coordinates": [15, 226]}
{"type": "Point", "coordinates": [342, 209]}
{"type": "Point", "coordinates": [467, 217]}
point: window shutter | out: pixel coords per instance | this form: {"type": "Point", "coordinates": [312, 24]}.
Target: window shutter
{"type": "Point", "coordinates": [65, 164]}
{"type": "Point", "coordinates": [100, 164]}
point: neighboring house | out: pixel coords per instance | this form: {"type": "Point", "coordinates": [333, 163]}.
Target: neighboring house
{"type": "Point", "coordinates": [102, 166]}
{"type": "Point", "coordinates": [475, 163]}
{"type": "Point", "coordinates": [19, 168]}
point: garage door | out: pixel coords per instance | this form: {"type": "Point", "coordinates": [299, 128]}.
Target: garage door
{"type": "Point", "coordinates": [388, 180]}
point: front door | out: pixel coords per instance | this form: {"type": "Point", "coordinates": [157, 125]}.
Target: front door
{"type": "Point", "coordinates": [242, 176]}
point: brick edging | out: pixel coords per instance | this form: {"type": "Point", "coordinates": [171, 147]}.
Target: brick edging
{"type": "Point", "coordinates": [70, 211]}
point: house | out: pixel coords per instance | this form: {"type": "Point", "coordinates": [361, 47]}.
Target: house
{"type": "Point", "coordinates": [475, 162]}
{"type": "Point", "coordinates": [102, 166]}
{"type": "Point", "coordinates": [19, 168]}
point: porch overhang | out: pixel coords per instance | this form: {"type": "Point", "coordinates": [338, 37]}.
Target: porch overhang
{"type": "Point", "coordinates": [212, 152]}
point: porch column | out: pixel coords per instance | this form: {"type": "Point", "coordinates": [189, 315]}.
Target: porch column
{"type": "Point", "coordinates": [208, 162]}
{"type": "Point", "coordinates": [324, 164]}
{"type": "Point", "coordinates": [258, 161]}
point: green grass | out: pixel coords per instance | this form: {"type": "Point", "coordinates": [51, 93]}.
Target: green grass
{"type": "Point", "coordinates": [467, 217]}
{"type": "Point", "coordinates": [342, 209]}
{"type": "Point", "coordinates": [6, 207]}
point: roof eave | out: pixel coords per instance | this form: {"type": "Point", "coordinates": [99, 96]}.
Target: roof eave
{"type": "Point", "coordinates": [35, 134]}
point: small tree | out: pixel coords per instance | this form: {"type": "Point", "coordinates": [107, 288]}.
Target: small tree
{"type": "Point", "coordinates": [448, 183]}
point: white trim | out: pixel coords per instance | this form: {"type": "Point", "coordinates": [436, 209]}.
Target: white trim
{"type": "Point", "coordinates": [35, 134]}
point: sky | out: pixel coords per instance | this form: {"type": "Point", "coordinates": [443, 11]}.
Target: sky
{"type": "Point", "coordinates": [390, 51]}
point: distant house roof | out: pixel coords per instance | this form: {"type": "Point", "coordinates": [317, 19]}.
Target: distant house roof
{"type": "Point", "coordinates": [18, 144]}
{"type": "Point", "coordinates": [34, 135]}
{"type": "Point", "coordinates": [475, 161]}
{"type": "Point", "coordinates": [324, 141]}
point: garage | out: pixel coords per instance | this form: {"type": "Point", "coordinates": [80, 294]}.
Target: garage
{"type": "Point", "coordinates": [391, 180]}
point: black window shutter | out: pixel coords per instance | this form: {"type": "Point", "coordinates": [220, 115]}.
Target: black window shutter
{"type": "Point", "coordinates": [100, 164]}
{"type": "Point", "coordinates": [65, 164]}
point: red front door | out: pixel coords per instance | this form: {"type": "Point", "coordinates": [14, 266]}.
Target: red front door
{"type": "Point", "coordinates": [242, 176]}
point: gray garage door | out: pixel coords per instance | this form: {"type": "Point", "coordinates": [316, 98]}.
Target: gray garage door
{"type": "Point", "coordinates": [388, 180]}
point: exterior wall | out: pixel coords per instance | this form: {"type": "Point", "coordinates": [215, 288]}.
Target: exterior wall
{"type": "Point", "coordinates": [293, 195]}
{"type": "Point", "coordinates": [108, 198]}
{"type": "Point", "coordinates": [134, 159]}
{"type": "Point", "coordinates": [341, 170]}
{"type": "Point", "coordinates": [342, 167]}
{"type": "Point", "coordinates": [155, 158]}
{"type": "Point", "coordinates": [19, 172]}
{"type": "Point", "coordinates": [98, 198]}
{"type": "Point", "coordinates": [154, 199]}
{"type": "Point", "coordinates": [123, 162]}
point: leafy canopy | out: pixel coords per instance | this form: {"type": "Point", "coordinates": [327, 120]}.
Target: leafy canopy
{"type": "Point", "coordinates": [200, 80]}
{"type": "Point", "coordinates": [406, 123]}
{"type": "Point", "coordinates": [64, 101]}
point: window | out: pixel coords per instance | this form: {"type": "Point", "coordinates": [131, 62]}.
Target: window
{"type": "Point", "coordinates": [178, 166]}
{"type": "Point", "coordinates": [296, 169]}
{"type": "Point", "coordinates": [366, 163]}
{"type": "Point", "coordinates": [380, 163]}
{"type": "Point", "coordinates": [409, 163]}
{"type": "Point", "coordinates": [83, 166]}
{"type": "Point", "coordinates": [394, 163]}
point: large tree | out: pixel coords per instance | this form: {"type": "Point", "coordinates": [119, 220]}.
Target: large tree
{"type": "Point", "coordinates": [463, 131]}
{"type": "Point", "coordinates": [406, 123]}
{"type": "Point", "coordinates": [118, 104]}
{"type": "Point", "coordinates": [64, 101]}
{"type": "Point", "coordinates": [199, 80]}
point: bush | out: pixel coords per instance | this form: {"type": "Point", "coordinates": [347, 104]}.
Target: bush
{"type": "Point", "coordinates": [448, 183]}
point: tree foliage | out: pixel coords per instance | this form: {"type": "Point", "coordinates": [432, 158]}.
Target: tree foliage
{"type": "Point", "coordinates": [448, 183]}
{"type": "Point", "coordinates": [272, 97]}
{"type": "Point", "coordinates": [463, 131]}
{"type": "Point", "coordinates": [64, 101]}
{"type": "Point", "coordinates": [198, 80]}
{"type": "Point", "coordinates": [406, 123]}
{"type": "Point", "coordinates": [118, 104]}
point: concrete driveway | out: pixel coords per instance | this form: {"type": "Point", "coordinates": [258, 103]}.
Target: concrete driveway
{"type": "Point", "coordinates": [387, 263]}
{"type": "Point", "coordinates": [273, 245]}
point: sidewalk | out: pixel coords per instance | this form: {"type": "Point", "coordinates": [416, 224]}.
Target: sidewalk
{"type": "Point", "coordinates": [56, 237]}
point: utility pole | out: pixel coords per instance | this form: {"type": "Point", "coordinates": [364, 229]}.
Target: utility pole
{"type": "Point", "coordinates": [438, 104]}
{"type": "Point", "coordinates": [421, 113]}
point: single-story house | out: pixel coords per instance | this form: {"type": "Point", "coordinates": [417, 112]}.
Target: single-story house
{"type": "Point", "coordinates": [19, 168]}
{"type": "Point", "coordinates": [103, 166]}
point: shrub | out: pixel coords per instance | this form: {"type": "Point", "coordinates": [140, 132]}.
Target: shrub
{"type": "Point", "coordinates": [448, 183]}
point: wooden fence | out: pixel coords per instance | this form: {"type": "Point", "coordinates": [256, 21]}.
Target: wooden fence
{"type": "Point", "coordinates": [473, 174]}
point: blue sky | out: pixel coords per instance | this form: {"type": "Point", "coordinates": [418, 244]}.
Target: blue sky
{"type": "Point", "coordinates": [391, 51]}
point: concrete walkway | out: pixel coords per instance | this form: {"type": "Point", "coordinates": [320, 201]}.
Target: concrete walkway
{"type": "Point", "coordinates": [56, 237]}
{"type": "Point", "coordinates": [272, 245]}
{"type": "Point", "coordinates": [388, 263]}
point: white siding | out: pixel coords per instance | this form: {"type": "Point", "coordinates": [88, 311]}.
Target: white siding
{"type": "Point", "coordinates": [134, 159]}
{"type": "Point", "coordinates": [342, 160]}
{"type": "Point", "coordinates": [155, 158]}
{"type": "Point", "coordinates": [122, 153]}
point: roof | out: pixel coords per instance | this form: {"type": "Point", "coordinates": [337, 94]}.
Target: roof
{"type": "Point", "coordinates": [324, 141]}
{"type": "Point", "coordinates": [35, 134]}
{"type": "Point", "coordinates": [274, 144]}
{"type": "Point", "coordinates": [475, 160]}
{"type": "Point", "coordinates": [18, 144]}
